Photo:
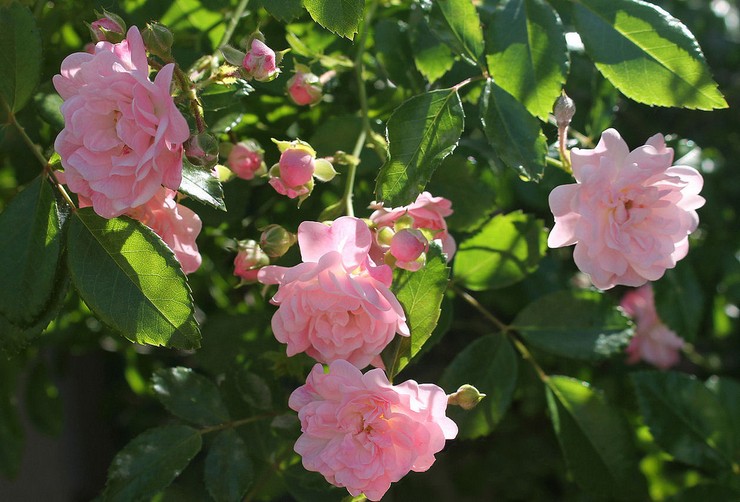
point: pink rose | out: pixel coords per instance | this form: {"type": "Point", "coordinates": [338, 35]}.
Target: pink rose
{"type": "Point", "coordinates": [245, 159]}
{"type": "Point", "coordinates": [304, 88]}
{"type": "Point", "coordinates": [363, 433]}
{"type": "Point", "coordinates": [629, 214]}
{"type": "Point", "coordinates": [653, 341]}
{"type": "Point", "coordinates": [114, 28]}
{"type": "Point", "coordinates": [177, 225]}
{"type": "Point", "coordinates": [336, 304]}
{"type": "Point", "coordinates": [426, 213]}
{"type": "Point", "coordinates": [249, 259]}
{"type": "Point", "coordinates": [294, 174]}
{"type": "Point", "coordinates": [123, 134]}
{"type": "Point", "coordinates": [259, 62]}
{"type": "Point", "coordinates": [408, 246]}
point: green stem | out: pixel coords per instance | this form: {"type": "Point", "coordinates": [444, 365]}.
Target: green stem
{"type": "Point", "coordinates": [234, 424]}
{"type": "Point", "coordinates": [236, 17]}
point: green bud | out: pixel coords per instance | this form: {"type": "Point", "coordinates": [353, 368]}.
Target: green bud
{"type": "Point", "coordinates": [276, 241]}
{"type": "Point", "coordinates": [158, 40]}
{"type": "Point", "coordinates": [467, 397]}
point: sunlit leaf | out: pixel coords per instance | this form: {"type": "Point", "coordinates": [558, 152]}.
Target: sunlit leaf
{"type": "Point", "coordinates": [202, 185]}
{"type": "Point", "coordinates": [338, 16]}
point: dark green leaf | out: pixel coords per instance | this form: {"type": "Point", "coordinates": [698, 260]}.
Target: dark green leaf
{"type": "Point", "coordinates": [338, 16]}
{"type": "Point", "coordinates": [679, 300]}
{"type": "Point", "coordinates": [578, 324]}
{"type": "Point", "coordinates": [706, 492]}
{"type": "Point", "coordinates": [728, 394]}
{"type": "Point", "coordinates": [646, 53]}
{"type": "Point", "coordinates": [513, 132]}
{"type": "Point", "coordinates": [202, 185]}
{"type": "Point", "coordinates": [254, 390]}
{"type": "Point", "coordinates": [11, 431]}
{"type": "Point", "coordinates": [421, 133]}
{"type": "Point", "coordinates": [420, 294]}
{"type": "Point", "coordinates": [284, 10]}
{"type": "Point", "coordinates": [685, 418]}
{"type": "Point", "coordinates": [150, 462]}
{"type": "Point", "coordinates": [394, 53]}
{"type": "Point", "coordinates": [189, 396]}
{"type": "Point", "coordinates": [463, 30]}
{"type": "Point", "coordinates": [432, 57]}
{"type": "Point", "coordinates": [527, 55]}
{"type": "Point", "coordinates": [20, 55]}
{"type": "Point", "coordinates": [49, 107]}
{"type": "Point", "coordinates": [43, 403]}
{"type": "Point", "coordinates": [489, 364]}
{"type": "Point", "coordinates": [596, 441]}
{"type": "Point", "coordinates": [504, 251]}
{"type": "Point", "coordinates": [30, 243]}
{"type": "Point", "coordinates": [228, 471]}
{"type": "Point", "coordinates": [131, 280]}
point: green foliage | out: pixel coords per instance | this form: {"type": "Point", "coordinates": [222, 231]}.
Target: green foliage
{"type": "Point", "coordinates": [228, 471]}
{"type": "Point", "coordinates": [11, 431]}
{"type": "Point", "coordinates": [338, 16]}
{"type": "Point", "coordinates": [43, 402]}
{"type": "Point", "coordinates": [463, 31]}
{"type": "Point", "coordinates": [189, 396]}
{"type": "Point", "coordinates": [20, 56]}
{"type": "Point", "coordinates": [201, 185]}
{"type": "Point", "coordinates": [680, 301]}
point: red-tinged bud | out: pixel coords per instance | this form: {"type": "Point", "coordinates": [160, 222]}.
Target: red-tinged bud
{"type": "Point", "coordinates": [108, 27]}
{"type": "Point", "coordinates": [246, 159]}
{"type": "Point", "coordinates": [304, 88]}
{"type": "Point", "coordinates": [202, 150]}
{"type": "Point", "coordinates": [249, 259]}
{"type": "Point", "coordinates": [260, 62]}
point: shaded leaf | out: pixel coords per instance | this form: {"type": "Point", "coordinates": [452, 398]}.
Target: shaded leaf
{"type": "Point", "coordinates": [679, 300]}
{"type": "Point", "coordinates": [706, 491]}
{"type": "Point", "coordinates": [420, 294]}
{"type": "Point", "coordinates": [596, 440]}
{"type": "Point", "coordinates": [11, 432]}
{"type": "Point", "coordinates": [228, 471]}
{"type": "Point", "coordinates": [254, 390]}
{"type": "Point", "coordinates": [338, 16]}
{"type": "Point", "coordinates": [395, 54]}
{"type": "Point", "coordinates": [20, 55]}
{"type": "Point", "coordinates": [504, 251]}
{"type": "Point", "coordinates": [513, 132]}
{"type": "Point", "coordinates": [150, 462]}
{"type": "Point", "coordinates": [421, 133]}
{"type": "Point", "coordinates": [527, 54]}
{"type": "Point", "coordinates": [463, 31]}
{"type": "Point", "coordinates": [727, 391]}
{"type": "Point", "coordinates": [189, 396]}
{"type": "Point", "coordinates": [131, 280]}
{"type": "Point", "coordinates": [489, 364]}
{"type": "Point", "coordinates": [577, 324]}
{"type": "Point", "coordinates": [647, 54]}
{"type": "Point", "coordinates": [202, 185]}
{"type": "Point", "coordinates": [284, 10]}
{"type": "Point", "coordinates": [432, 57]}
{"type": "Point", "coordinates": [43, 402]}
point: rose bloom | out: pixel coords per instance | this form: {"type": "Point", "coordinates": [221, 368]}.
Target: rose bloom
{"type": "Point", "coordinates": [363, 433]}
{"type": "Point", "coordinates": [336, 304]}
{"type": "Point", "coordinates": [653, 341]}
{"type": "Point", "coordinates": [123, 134]}
{"type": "Point", "coordinates": [245, 159]}
{"type": "Point", "coordinates": [427, 212]}
{"type": "Point", "coordinates": [629, 214]}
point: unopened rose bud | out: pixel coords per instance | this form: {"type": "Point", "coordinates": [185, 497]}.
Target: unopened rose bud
{"type": "Point", "coordinates": [108, 27]}
{"type": "Point", "coordinates": [304, 88]}
{"type": "Point", "coordinates": [202, 150]}
{"type": "Point", "coordinates": [294, 174]}
{"type": "Point", "coordinates": [260, 63]}
{"type": "Point", "coordinates": [408, 245]}
{"type": "Point", "coordinates": [249, 259]}
{"type": "Point", "coordinates": [246, 159]}
{"type": "Point", "coordinates": [275, 241]}
{"type": "Point", "coordinates": [564, 110]}
{"type": "Point", "coordinates": [158, 39]}
{"type": "Point", "coordinates": [467, 397]}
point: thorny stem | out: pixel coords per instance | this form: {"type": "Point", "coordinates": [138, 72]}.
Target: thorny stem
{"type": "Point", "coordinates": [236, 17]}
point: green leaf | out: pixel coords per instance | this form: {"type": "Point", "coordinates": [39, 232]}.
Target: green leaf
{"type": "Point", "coordinates": [202, 185]}
{"type": "Point", "coordinates": [394, 53]}
{"type": "Point", "coordinates": [20, 55]}
{"type": "Point", "coordinates": [577, 324]}
{"type": "Point", "coordinates": [11, 431]}
{"type": "Point", "coordinates": [421, 133]}
{"type": "Point", "coordinates": [228, 472]}
{"type": "Point", "coordinates": [705, 491]}
{"type": "Point", "coordinates": [463, 29]}
{"type": "Point", "coordinates": [150, 462]}
{"type": "Point", "coordinates": [131, 280]}
{"type": "Point", "coordinates": [685, 418]}
{"type": "Point", "coordinates": [254, 390]}
{"type": "Point", "coordinates": [420, 294]}
{"type": "Point", "coordinates": [728, 394]}
{"type": "Point", "coordinates": [489, 364]}
{"type": "Point", "coordinates": [650, 56]}
{"type": "Point", "coordinates": [284, 10]}
{"type": "Point", "coordinates": [338, 16]}
{"type": "Point", "coordinates": [527, 54]}
{"type": "Point", "coordinates": [189, 396]}
{"type": "Point", "coordinates": [49, 108]}
{"type": "Point", "coordinates": [432, 57]}
{"type": "Point", "coordinates": [503, 252]}
{"type": "Point", "coordinates": [595, 439]}
{"type": "Point", "coordinates": [513, 132]}
{"type": "Point", "coordinates": [679, 300]}
{"type": "Point", "coordinates": [43, 402]}
{"type": "Point", "coordinates": [30, 243]}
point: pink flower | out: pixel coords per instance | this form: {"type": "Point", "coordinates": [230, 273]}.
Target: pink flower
{"type": "Point", "coordinates": [629, 214]}
{"type": "Point", "coordinates": [293, 175]}
{"type": "Point", "coordinates": [408, 246]}
{"type": "Point", "coordinates": [99, 28]}
{"type": "Point", "coordinates": [260, 63]}
{"type": "Point", "coordinates": [245, 159]}
{"type": "Point", "coordinates": [123, 134]}
{"type": "Point", "coordinates": [336, 304]}
{"type": "Point", "coordinates": [363, 433]}
{"type": "Point", "coordinates": [177, 225]}
{"type": "Point", "coordinates": [427, 214]}
{"type": "Point", "coordinates": [653, 341]}
{"type": "Point", "coordinates": [304, 88]}
{"type": "Point", "coordinates": [249, 259]}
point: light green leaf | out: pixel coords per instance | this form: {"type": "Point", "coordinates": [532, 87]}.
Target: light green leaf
{"type": "Point", "coordinates": [420, 294]}
{"type": "Point", "coordinates": [20, 55]}
{"type": "Point", "coordinates": [188, 14]}
{"type": "Point", "coordinates": [489, 364]}
{"type": "Point", "coordinates": [527, 54]}
{"type": "Point", "coordinates": [646, 53]}
{"type": "Point", "coordinates": [338, 16]}
{"type": "Point", "coordinates": [228, 472]}
{"type": "Point", "coordinates": [514, 134]}
{"type": "Point", "coordinates": [421, 133]}
{"type": "Point", "coordinates": [685, 418]}
{"type": "Point", "coordinates": [576, 324]}
{"type": "Point", "coordinates": [284, 10]}
{"type": "Point", "coordinates": [189, 396]}
{"type": "Point", "coordinates": [150, 462]}
{"type": "Point", "coordinates": [202, 185]}
{"type": "Point", "coordinates": [595, 439]}
{"type": "Point", "coordinates": [504, 251]}
{"type": "Point", "coordinates": [463, 31]}
{"type": "Point", "coordinates": [131, 280]}
{"type": "Point", "coordinates": [679, 300]}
